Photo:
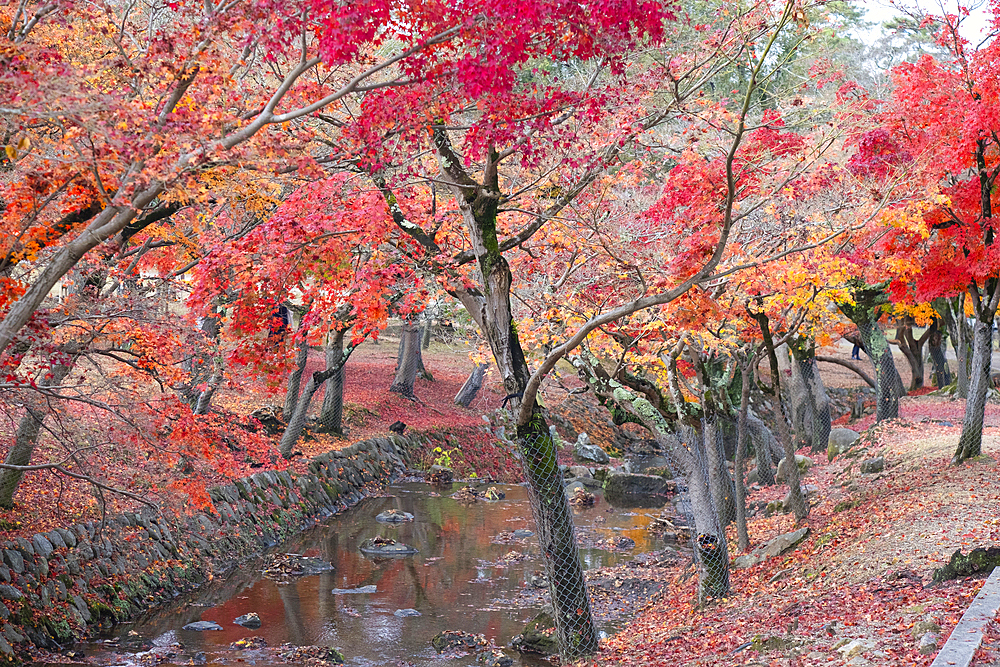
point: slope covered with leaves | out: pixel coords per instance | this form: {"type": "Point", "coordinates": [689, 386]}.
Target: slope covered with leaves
{"type": "Point", "coordinates": [863, 572]}
{"type": "Point", "coordinates": [46, 500]}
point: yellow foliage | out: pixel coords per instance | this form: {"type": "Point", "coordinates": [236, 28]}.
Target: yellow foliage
{"type": "Point", "coordinates": [922, 313]}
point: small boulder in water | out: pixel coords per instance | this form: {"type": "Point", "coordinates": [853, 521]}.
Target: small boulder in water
{"type": "Point", "coordinates": [440, 475]}
{"type": "Point", "coordinates": [539, 635]}
{"type": "Point", "coordinates": [538, 580]}
{"type": "Point", "coordinates": [581, 497]}
{"type": "Point", "coordinates": [457, 639]}
{"type": "Point", "coordinates": [202, 626]}
{"type": "Point", "coordinates": [315, 656]}
{"type": "Point", "coordinates": [372, 588]}
{"type": "Point", "coordinates": [382, 546]}
{"type": "Point", "coordinates": [394, 516]}
{"type": "Point", "coordinates": [281, 568]}
{"type": "Point", "coordinates": [620, 543]}
{"type": "Point", "coordinates": [404, 613]}
{"type": "Point", "coordinates": [251, 620]}
{"type": "Point", "coordinates": [466, 494]}
{"type": "Point", "coordinates": [494, 658]}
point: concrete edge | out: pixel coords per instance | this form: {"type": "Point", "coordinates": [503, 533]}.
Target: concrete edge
{"type": "Point", "coordinates": [965, 639]}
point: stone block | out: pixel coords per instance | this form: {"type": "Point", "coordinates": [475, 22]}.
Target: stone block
{"type": "Point", "coordinates": [56, 540]}
{"type": "Point", "coordinates": [14, 559]}
{"type": "Point", "coordinates": [67, 536]}
{"type": "Point", "coordinates": [840, 441]}
{"type": "Point", "coordinates": [8, 592]}
{"type": "Point", "coordinates": [775, 547]}
{"type": "Point", "coordinates": [24, 546]}
{"type": "Point", "coordinates": [86, 550]}
{"type": "Point", "coordinates": [12, 635]}
{"type": "Point", "coordinates": [629, 490]}
{"type": "Point", "coordinates": [804, 463]}
{"type": "Point", "coordinates": [81, 606]}
{"type": "Point", "coordinates": [872, 466]}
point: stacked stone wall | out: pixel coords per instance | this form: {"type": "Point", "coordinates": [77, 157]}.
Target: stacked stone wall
{"type": "Point", "coordinates": [70, 583]}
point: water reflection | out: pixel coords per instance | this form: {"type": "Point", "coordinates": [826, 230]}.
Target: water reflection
{"type": "Point", "coordinates": [459, 579]}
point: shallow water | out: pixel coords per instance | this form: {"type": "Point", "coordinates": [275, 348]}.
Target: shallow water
{"type": "Point", "coordinates": [461, 579]}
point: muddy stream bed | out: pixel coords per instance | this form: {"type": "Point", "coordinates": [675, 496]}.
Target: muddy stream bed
{"type": "Point", "coordinates": [471, 573]}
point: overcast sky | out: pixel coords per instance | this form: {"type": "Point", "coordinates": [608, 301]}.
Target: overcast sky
{"type": "Point", "coordinates": [972, 28]}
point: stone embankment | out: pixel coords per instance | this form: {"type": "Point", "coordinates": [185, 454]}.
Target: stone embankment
{"type": "Point", "coordinates": [69, 583]}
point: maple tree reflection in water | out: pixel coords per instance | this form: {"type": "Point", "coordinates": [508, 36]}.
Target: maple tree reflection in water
{"type": "Point", "coordinates": [462, 578]}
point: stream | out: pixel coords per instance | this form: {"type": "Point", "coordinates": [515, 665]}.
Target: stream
{"type": "Point", "coordinates": [471, 573]}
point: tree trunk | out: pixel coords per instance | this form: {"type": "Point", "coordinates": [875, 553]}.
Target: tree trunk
{"type": "Point", "coordinates": [763, 442]}
{"type": "Point", "coordinates": [425, 340]}
{"type": "Point", "coordinates": [205, 397]}
{"type": "Point", "coordinates": [297, 422]}
{"type": "Point", "coordinates": [797, 501]}
{"type": "Point", "coordinates": [479, 203]}
{"type": "Point", "coordinates": [295, 379]}
{"type": "Point", "coordinates": [821, 407]}
{"type": "Point", "coordinates": [818, 403]}
{"type": "Point", "coordinates": [36, 408]}
{"type": "Point", "coordinates": [331, 414]}
{"type": "Point", "coordinates": [472, 385]}
{"type": "Point", "coordinates": [963, 356]}
{"type": "Point", "coordinates": [422, 371]}
{"type": "Point", "coordinates": [709, 542]}
{"type": "Point", "coordinates": [864, 312]}
{"type": "Point", "coordinates": [710, 545]}
{"type": "Point", "coordinates": [556, 535]}
{"type": "Point", "coordinates": [204, 400]}
{"type": "Point", "coordinates": [971, 441]}
{"type": "Point", "coordinates": [688, 450]}
{"type": "Point", "coordinates": [408, 362]}
{"type": "Point", "coordinates": [913, 349]}
{"type": "Point", "coordinates": [849, 365]}
{"type": "Point", "coordinates": [800, 407]}
{"type": "Point", "coordinates": [953, 312]}
{"type": "Point", "coordinates": [887, 380]}
{"type": "Point", "coordinates": [941, 372]}
{"type": "Point", "coordinates": [718, 473]}
{"type": "Point", "coordinates": [197, 367]}
{"type": "Point", "coordinates": [491, 308]}
{"type": "Point", "coordinates": [715, 407]}
{"type": "Point", "coordinates": [742, 536]}
{"type": "Point", "coordinates": [986, 299]}
{"type": "Point", "coordinates": [110, 221]}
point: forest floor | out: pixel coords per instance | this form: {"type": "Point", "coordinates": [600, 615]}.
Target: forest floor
{"type": "Point", "coordinates": [861, 575]}
{"type": "Point", "coordinates": [857, 590]}
{"type": "Point", "coordinates": [46, 500]}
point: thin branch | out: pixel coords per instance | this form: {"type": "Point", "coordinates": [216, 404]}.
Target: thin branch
{"type": "Point", "coordinates": [62, 470]}
{"type": "Point", "coordinates": [848, 364]}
